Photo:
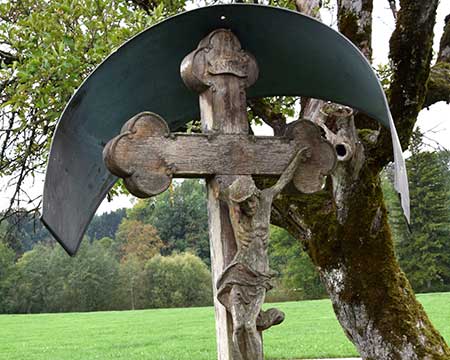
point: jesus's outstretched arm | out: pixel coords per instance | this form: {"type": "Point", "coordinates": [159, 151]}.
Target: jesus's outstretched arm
{"type": "Point", "coordinates": [300, 156]}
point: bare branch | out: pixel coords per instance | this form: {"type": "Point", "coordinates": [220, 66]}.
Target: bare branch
{"type": "Point", "coordinates": [393, 7]}
{"type": "Point", "coordinates": [6, 141]}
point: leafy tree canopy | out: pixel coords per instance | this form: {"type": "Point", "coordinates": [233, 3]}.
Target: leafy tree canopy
{"type": "Point", "coordinates": [297, 275]}
{"type": "Point", "coordinates": [47, 48]}
{"type": "Point", "coordinates": [179, 280]}
{"type": "Point", "coordinates": [180, 216]}
{"type": "Point", "coordinates": [137, 239]}
{"type": "Point", "coordinates": [105, 225]}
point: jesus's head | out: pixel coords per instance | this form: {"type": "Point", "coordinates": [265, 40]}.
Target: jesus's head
{"type": "Point", "coordinates": [244, 191]}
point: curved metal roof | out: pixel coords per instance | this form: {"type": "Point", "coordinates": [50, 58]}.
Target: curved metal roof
{"type": "Point", "coordinates": [296, 54]}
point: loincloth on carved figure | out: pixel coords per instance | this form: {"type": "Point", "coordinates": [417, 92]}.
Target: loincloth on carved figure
{"type": "Point", "coordinates": [250, 284]}
{"type": "Point", "coordinates": [249, 281]}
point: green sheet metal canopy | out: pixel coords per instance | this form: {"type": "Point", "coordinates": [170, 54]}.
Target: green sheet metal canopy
{"type": "Point", "coordinates": [296, 54]}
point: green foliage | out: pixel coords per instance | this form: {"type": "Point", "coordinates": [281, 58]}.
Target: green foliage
{"type": "Point", "coordinates": [131, 291]}
{"type": "Point", "coordinates": [6, 271]}
{"type": "Point", "coordinates": [90, 280]}
{"type": "Point", "coordinates": [424, 251]}
{"type": "Point", "coordinates": [288, 4]}
{"type": "Point", "coordinates": [285, 106]}
{"type": "Point", "coordinates": [385, 73]}
{"type": "Point", "coordinates": [105, 225]}
{"type": "Point", "coordinates": [138, 240]}
{"type": "Point", "coordinates": [135, 244]}
{"type": "Point", "coordinates": [426, 259]}
{"type": "Point", "coordinates": [8, 237]}
{"type": "Point", "coordinates": [111, 273]}
{"type": "Point", "coordinates": [179, 280]}
{"type": "Point", "coordinates": [298, 277]}
{"type": "Point", "coordinates": [21, 231]}
{"type": "Point", "coordinates": [33, 280]}
{"type": "Point", "coordinates": [54, 46]}
{"type": "Point", "coordinates": [396, 219]}
{"type": "Point", "coordinates": [107, 243]}
{"type": "Point", "coordinates": [180, 216]}
{"type": "Point", "coordinates": [47, 280]}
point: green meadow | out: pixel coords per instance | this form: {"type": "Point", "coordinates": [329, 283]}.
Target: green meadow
{"type": "Point", "coordinates": [309, 331]}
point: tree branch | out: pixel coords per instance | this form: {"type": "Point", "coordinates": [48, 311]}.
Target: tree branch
{"type": "Point", "coordinates": [355, 22]}
{"type": "Point", "coordinates": [310, 107]}
{"type": "Point", "coordinates": [309, 7]}
{"type": "Point", "coordinates": [444, 47]}
{"type": "Point", "coordinates": [393, 8]}
{"type": "Point", "coordinates": [439, 81]}
{"type": "Point", "coordinates": [438, 84]}
{"type": "Point", "coordinates": [146, 5]}
{"type": "Point", "coordinates": [7, 57]}
{"type": "Point", "coordinates": [411, 54]}
{"type": "Point", "coordinates": [4, 84]}
{"type": "Point", "coordinates": [266, 113]}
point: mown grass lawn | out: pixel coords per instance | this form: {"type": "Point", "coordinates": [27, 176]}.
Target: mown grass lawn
{"type": "Point", "coordinates": [309, 331]}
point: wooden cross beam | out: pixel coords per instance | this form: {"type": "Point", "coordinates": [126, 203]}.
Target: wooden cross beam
{"type": "Point", "coordinates": [147, 156]}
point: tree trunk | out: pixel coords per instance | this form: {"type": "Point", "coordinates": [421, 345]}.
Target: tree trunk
{"type": "Point", "coordinates": [354, 254]}
{"type": "Point", "coordinates": [371, 296]}
{"type": "Point", "coordinates": [132, 296]}
{"type": "Point", "coordinates": [344, 228]}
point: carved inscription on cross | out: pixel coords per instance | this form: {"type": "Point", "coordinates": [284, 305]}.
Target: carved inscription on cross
{"type": "Point", "coordinates": [147, 156]}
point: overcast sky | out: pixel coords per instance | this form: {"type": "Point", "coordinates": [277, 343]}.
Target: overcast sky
{"type": "Point", "coordinates": [435, 122]}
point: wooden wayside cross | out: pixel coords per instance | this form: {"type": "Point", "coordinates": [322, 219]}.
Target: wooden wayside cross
{"type": "Point", "coordinates": [147, 156]}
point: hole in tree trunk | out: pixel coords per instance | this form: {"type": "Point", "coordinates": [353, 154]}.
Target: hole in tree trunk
{"type": "Point", "coordinates": [341, 150]}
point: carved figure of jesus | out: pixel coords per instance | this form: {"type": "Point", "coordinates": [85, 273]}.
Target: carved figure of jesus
{"type": "Point", "coordinates": [243, 284]}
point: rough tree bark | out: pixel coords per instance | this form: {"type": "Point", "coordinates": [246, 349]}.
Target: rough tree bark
{"type": "Point", "coordinates": [439, 81]}
{"type": "Point", "coordinates": [344, 228]}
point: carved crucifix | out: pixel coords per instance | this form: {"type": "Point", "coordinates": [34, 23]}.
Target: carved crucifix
{"type": "Point", "coordinates": [147, 156]}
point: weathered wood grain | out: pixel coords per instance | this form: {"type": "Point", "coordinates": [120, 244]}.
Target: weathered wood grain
{"type": "Point", "coordinates": [220, 71]}
{"type": "Point", "coordinates": [200, 155]}
{"type": "Point", "coordinates": [223, 104]}
{"type": "Point", "coordinates": [147, 156]}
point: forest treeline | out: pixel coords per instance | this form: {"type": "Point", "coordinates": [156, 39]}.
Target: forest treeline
{"type": "Point", "coordinates": [156, 254]}
{"type": "Point", "coordinates": [423, 246]}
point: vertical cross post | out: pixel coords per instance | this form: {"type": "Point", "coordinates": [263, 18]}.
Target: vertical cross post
{"type": "Point", "coordinates": [147, 156]}
{"type": "Point", "coordinates": [220, 71]}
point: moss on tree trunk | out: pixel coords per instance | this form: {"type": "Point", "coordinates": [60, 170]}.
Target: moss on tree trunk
{"type": "Point", "coordinates": [371, 296]}
{"type": "Point", "coordinates": [344, 228]}
{"type": "Point", "coordinates": [439, 81]}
